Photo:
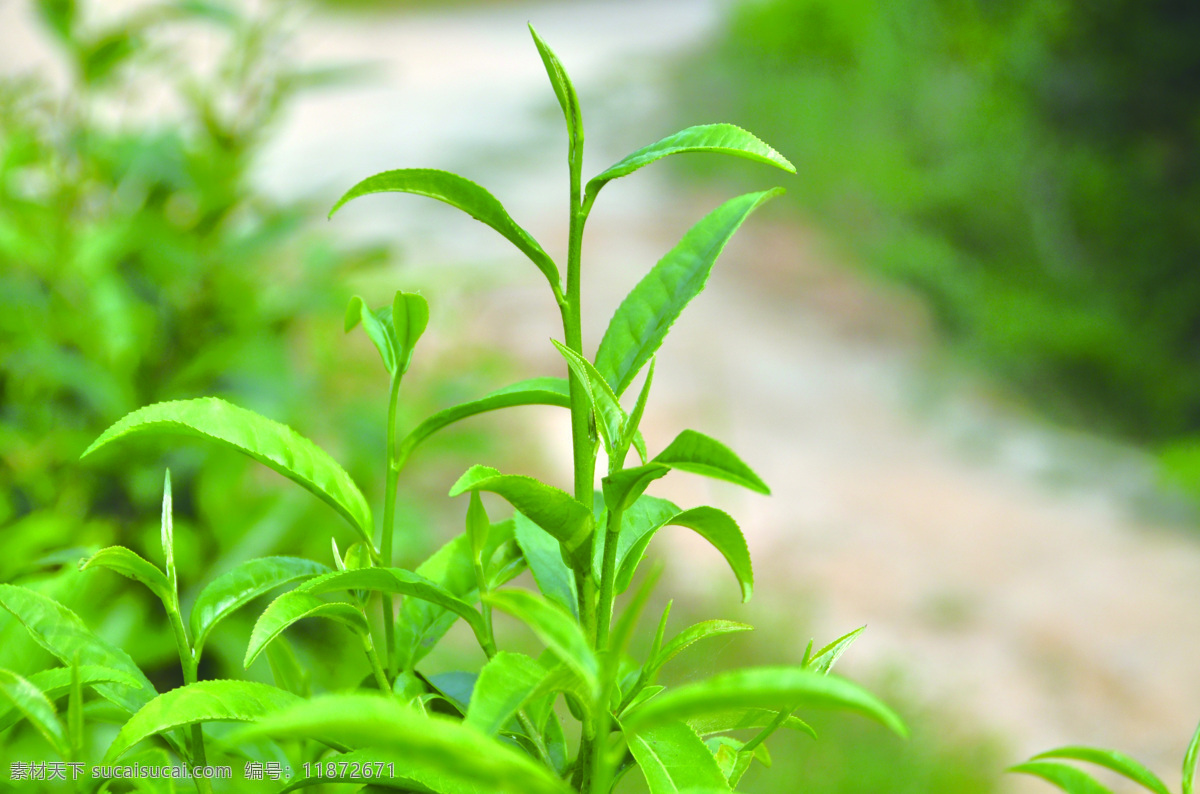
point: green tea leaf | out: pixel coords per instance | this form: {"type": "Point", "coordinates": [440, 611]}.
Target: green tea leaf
{"type": "Point", "coordinates": [410, 316]}
{"type": "Point", "coordinates": [378, 326]}
{"type": "Point", "coordinates": [722, 138]}
{"type": "Point", "coordinates": [823, 660]}
{"type": "Point", "coordinates": [130, 564]}
{"type": "Point", "coordinates": [554, 577]}
{"type": "Point", "coordinates": [464, 194]}
{"type": "Point", "coordinates": [646, 315]}
{"type": "Point", "coordinates": [504, 684]}
{"type": "Point", "coordinates": [273, 444]}
{"type": "Point", "coordinates": [1067, 778]}
{"type": "Point", "coordinates": [715, 526]}
{"type": "Point", "coordinates": [553, 626]}
{"type": "Point", "coordinates": [697, 453]}
{"type": "Point", "coordinates": [554, 510]}
{"type": "Point", "coordinates": [564, 91]}
{"type": "Point", "coordinates": [624, 487]}
{"type": "Point", "coordinates": [1109, 759]}
{"type": "Point", "coordinates": [630, 433]}
{"type": "Point", "coordinates": [609, 415]}
{"type": "Point", "coordinates": [32, 704]}
{"type": "Point", "coordinates": [204, 701]}
{"type": "Point", "coordinates": [689, 636]}
{"type": "Point", "coordinates": [60, 632]}
{"type": "Point", "coordinates": [443, 753]}
{"type": "Point", "coordinates": [478, 526]}
{"type": "Point", "coordinates": [167, 534]}
{"type": "Point", "coordinates": [674, 759]}
{"type": "Point", "coordinates": [762, 687]}
{"type": "Point", "coordinates": [1189, 762]}
{"type": "Point", "coordinates": [646, 514]}
{"type": "Point", "coordinates": [372, 766]}
{"type": "Point", "coordinates": [56, 681]}
{"type": "Point", "coordinates": [235, 588]}
{"type": "Point", "coordinates": [745, 719]}
{"type": "Point", "coordinates": [293, 606]}
{"type": "Point", "coordinates": [536, 391]}
{"type": "Point", "coordinates": [286, 669]}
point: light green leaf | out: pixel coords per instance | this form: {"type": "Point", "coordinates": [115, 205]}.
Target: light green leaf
{"type": "Point", "coordinates": [56, 681]}
{"type": "Point", "coordinates": [536, 391]}
{"type": "Point", "coordinates": [421, 624]}
{"type": "Point", "coordinates": [235, 588]}
{"type": "Point", "coordinates": [630, 433]}
{"type": "Point", "coordinates": [1109, 759]}
{"type": "Point", "coordinates": [32, 704]}
{"type": "Point", "coordinates": [478, 526]}
{"type": "Point", "coordinates": [410, 316]}
{"type": "Point", "coordinates": [433, 748]}
{"type": "Point", "coordinates": [464, 194]}
{"type": "Point", "coordinates": [204, 701]}
{"type": "Point", "coordinates": [646, 315]}
{"type": "Point", "coordinates": [553, 626]}
{"type": "Point", "coordinates": [553, 576]}
{"type": "Point", "coordinates": [823, 660]}
{"type": "Point", "coordinates": [293, 606]}
{"type": "Point", "coordinates": [381, 764]}
{"type": "Point", "coordinates": [132, 565]}
{"type": "Point", "coordinates": [745, 719]}
{"type": "Point", "coordinates": [715, 526]}
{"type": "Point", "coordinates": [564, 91]}
{"type": "Point", "coordinates": [722, 138]}
{"type": "Point", "coordinates": [554, 510]}
{"type": "Point", "coordinates": [610, 417]}
{"type": "Point", "coordinates": [167, 535]}
{"type": "Point", "coordinates": [378, 325]}
{"type": "Point", "coordinates": [646, 514]}
{"type": "Point", "coordinates": [624, 487]}
{"type": "Point", "coordinates": [762, 687]}
{"type": "Point", "coordinates": [286, 669]}
{"type": "Point", "coordinates": [60, 631]}
{"type": "Point", "coordinates": [1189, 762]}
{"type": "Point", "coordinates": [273, 444]}
{"type": "Point", "coordinates": [697, 453]}
{"type": "Point", "coordinates": [689, 636]}
{"type": "Point", "coordinates": [1067, 778]}
{"type": "Point", "coordinates": [504, 684]}
{"type": "Point", "coordinates": [674, 759]}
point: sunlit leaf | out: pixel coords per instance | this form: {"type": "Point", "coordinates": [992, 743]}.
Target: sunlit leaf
{"type": "Point", "coordinates": [553, 626]}
{"type": "Point", "coordinates": [715, 526]}
{"type": "Point", "coordinates": [293, 606]}
{"type": "Point", "coordinates": [552, 509]}
{"type": "Point", "coordinates": [267, 441]}
{"type": "Point", "coordinates": [379, 329]}
{"type": "Point", "coordinates": [130, 564]}
{"type": "Point", "coordinates": [823, 660]}
{"type": "Point", "coordinates": [553, 576]}
{"type": "Point", "coordinates": [31, 703]}
{"type": "Point", "coordinates": [504, 684]}
{"type": "Point", "coordinates": [697, 453]}
{"type": "Point", "coordinates": [745, 719]}
{"type": "Point", "coordinates": [691, 635]}
{"type": "Point", "coordinates": [624, 487]}
{"type": "Point", "coordinates": [410, 316]}
{"type": "Point", "coordinates": [609, 416]}
{"type": "Point", "coordinates": [674, 759]}
{"type": "Point", "coordinates": [1189, 763]}
{"type": "Point", "coordinates": [1067, 778]}
{"type": "Point", "coordinates": [564, 91]}
{"type": "Point", "coordinates": [1109, 759]}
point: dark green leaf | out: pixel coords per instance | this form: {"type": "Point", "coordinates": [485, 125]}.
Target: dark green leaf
{"type": "Point", "coordinates": [505, 683]}
{"type": "Point", "coordinates": [564, 91]}
{"type": "Point", "coordinates": [234, 589]}
{"type": "Point", "coordinates": [1109, 759]}
{"type": "Point", "coordinates": [646, 315]}
{"type": "Point", "coordinates": [536, 391]}
{"type": "Point", "coordinates": [32, 704]}
{"type": "Point", "coordinates": [379, 329]}
{"type": "Point", "coordinates": [464, 194]}
{"type": "Point", "coordinates": [762, 687]}
{"type": "Point", "coordinates": [205, 701]}
{"type": "Point", "coordinates": [554, 510]}
{"type": "Point", "coordinates": [715, 526]}
{"type": "Point", "coordinates": [722, 138]}
{"type": "Point", "coordinates": [553, 576]}
{"type": "Point", "coordinates": [442, 753]}
{"type": "Point", "coordinates": [553, 626]}
{"type": "Point", "coordinates": [674, 759]}
{"type": "Point", "coordinates": [697, 453]}
{"type": "Point", "coordinates": [132, 565]}
{"type": "Point", "coordinates": [293, 606]}
{"type": "Point", "coordinates": [1067, 778]}
{"type": "Point", "coordinates": [270, 443]}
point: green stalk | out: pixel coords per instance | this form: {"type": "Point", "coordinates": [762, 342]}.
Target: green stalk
{"type": "Point", "coordinates": [381, 679]}
{"type": "Point", "coordinates": [388, 528]}
{"type": "Point", "coordinates": [190, 663]}
{"type": "Point", "coordinates": [762, 735]}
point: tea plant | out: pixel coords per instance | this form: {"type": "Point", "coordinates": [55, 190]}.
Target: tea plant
{"type": "Point", "coordinates": [500, 728]}
{"type": "Point", "coordinates": [1075, 781]}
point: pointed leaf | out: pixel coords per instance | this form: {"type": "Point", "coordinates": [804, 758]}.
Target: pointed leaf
{"type": "Point", "coordinates": [293, 606]}
{"type": "Point", "coordinates": [421, 623]}
{"type": "Point", "coordinates": [205, 701]}
{"type": "Point", "coordinates": [286, 669]}
{"type": "Point", "coordinates": [554, 510]}
{"type": "Point", "coordinates": [235, 588]}
{"type": "Point", "coordinates": [697, 453]}
{"type": "Point", "coordinates": [762, 687]}
{"type": "Point", "coordinates": [410, 316]}
{"type": "Point", "coordinates": [60, 631]}
{"type": "Point", "coordinates": [715, 526]}
{"type": "Point", "coordinates": [824, 659]}
{"type": "Point", "coordinates": [691, 635]}
{"type": "Point", "coordinates": [1067, 778]}
{"type": "Point", "coordinates": [435, 748]}
{"type": "Point", "coordinates": [554, 578]}
{"type": "Point", "coordinates": [32, 704]}
{"type": "Point", "coordinates": [536, 391]}
{"type": "Point", "coordinates": [56, 681]}
{"type": "Point", "coordinates": [273, 444]}
{"type": "Point", "coordinates": [1189, 762]}
{"type": "Point", "coordinates": [745, 719]}
{"type": "Point", "coordinates": [505, 683]}
{"type": "Point", "coordinates": [464, 194]}
{"type": "Point", "coordinates": [624, 487]}
{"type": "Point", "coordinates": [646, 315]}
{"type": "Point", "coordinates": [722, 138]}
{"type": "Point", "coordinates": [132, 565]}
{"type": "Point", "coordinates": [553, 626]}
{"type": "Point", "coordinates": [646, 514]}
{"type": "Point", "coordinates": [378, 325]}
{"type": "Point", "coordinates": [609, 415]}
{"type": "Point", "coordinates": [564, 91]}
{"type": "Point", "coordinates": [674, 759]}
{"type": "Point", "coordinates": [1109, 759]}
{"type": "Point", "coordinates": [167, 535]}
{"type": "Point", "coordinates": [630, 433]}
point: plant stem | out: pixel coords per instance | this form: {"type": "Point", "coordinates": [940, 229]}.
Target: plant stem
{"type": "Point", "coordinates": [608, 574]}
{"type": "Point", "coordinates": [388, 528]}
{"type": "Point", "coordinates": [190, 664]}
{"type": "Point", "coordinates": [380, 678]}
{"type": "Point", "coordinates": [762, 735]}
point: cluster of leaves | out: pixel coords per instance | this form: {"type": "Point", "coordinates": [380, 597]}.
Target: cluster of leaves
{"type": "Point", "coordinates": [500, 728]}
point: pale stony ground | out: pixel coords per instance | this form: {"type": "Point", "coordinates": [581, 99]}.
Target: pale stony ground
{"type": "Point", "coordinates": [1000, 566]}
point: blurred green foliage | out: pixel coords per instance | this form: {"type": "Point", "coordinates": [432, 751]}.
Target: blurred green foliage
{"type": "Point", "coordinates": [1030, 167]}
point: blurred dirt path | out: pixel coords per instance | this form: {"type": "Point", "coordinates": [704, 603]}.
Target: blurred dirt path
{"type": "Point", "coordinates": [999, 565]}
